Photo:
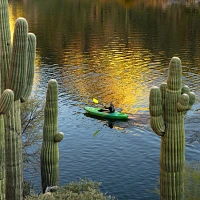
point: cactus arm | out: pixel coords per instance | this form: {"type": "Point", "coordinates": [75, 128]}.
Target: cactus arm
{"type": "Point", "coordinates": [18, 66]}
{"type": "Point", "coordinates": [30, 66]}
{"type": "Point", "coordinates": [192, 96]}
{"type": "Point", "coordinates": [183, 103]}
{"type": "Point", "coordinates": [58, 137]}
{"type": "Point", "coordinates": [192, 99]}
{"type": "Point", "coordinates": [6, 101]}
{"type": "Point", "coordinates": [49, 156]}
{"type": "Point", "coordinates": [5, 44]}
{"type": "Point", "coordinates": [155, 108]}
{"type": "Point", "coordinates": [185, 89]}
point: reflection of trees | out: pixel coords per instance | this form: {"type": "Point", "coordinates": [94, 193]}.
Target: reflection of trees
{"type": "Point", "coordinates": [75, 24]}
{"type": "Point", "coordinates": [154, 3]}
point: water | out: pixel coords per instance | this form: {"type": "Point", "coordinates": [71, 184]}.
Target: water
{"type": "Point", "coordinates": [113, 50]}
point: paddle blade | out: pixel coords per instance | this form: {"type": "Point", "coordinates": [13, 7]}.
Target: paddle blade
{"type": "Point", "coordinates": [95, 100]}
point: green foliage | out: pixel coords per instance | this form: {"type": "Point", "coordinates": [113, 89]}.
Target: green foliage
{"type": "Point", "coordinates": [82, 190]}
{"type": "Point", "coordinates": [28, 188]}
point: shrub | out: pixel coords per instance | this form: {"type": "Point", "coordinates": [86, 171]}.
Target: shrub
{"type": "Point", "coordinates": [82, 190]}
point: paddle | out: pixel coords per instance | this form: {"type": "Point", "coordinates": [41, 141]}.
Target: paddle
{"type": "Point", "coordinates": [95, 100]}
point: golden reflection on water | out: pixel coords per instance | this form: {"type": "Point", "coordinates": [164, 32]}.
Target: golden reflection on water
{"type": "Point", "coordinates": [109, 74]}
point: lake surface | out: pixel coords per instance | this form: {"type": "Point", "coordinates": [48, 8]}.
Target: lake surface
{"type": "Point", "coordinates": [113, 50]}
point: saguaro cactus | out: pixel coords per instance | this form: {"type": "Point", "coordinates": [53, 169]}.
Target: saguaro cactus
{"type": "Point", "coordinates": [49, 156]}
{"type": "Point", "coordinates": [16, 66]}
{"type": "Point", "coordinates": [20, 79]}
{"type": "Point", "coordinates": [6, 102]}
{"type": "Point", "coordinates": [16, 73]}
{"type": "Point", "coordinates": [168, 106]}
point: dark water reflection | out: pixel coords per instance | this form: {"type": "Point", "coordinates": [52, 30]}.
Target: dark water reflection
{"type": "Point", "coordinates": [113, 50]}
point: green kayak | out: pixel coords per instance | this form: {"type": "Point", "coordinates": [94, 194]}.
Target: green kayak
{"type": "Point", "coordinates": [99, 112]}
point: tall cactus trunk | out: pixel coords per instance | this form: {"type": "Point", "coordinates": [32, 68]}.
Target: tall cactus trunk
{"type": "Point", "coordinates": [14, 163]}
{"type": "Point", "coordinates": [49, 152]}
{"type": "Point", "coordinates": [172, 159]}
{"type": "Point", "coordinates": [2, 159]}
{"type": "Point", "coordinates": [168, 106]}
{"type": "Point", "coordinates": [16, 82]}
{"type": "Point", "coordinates": [6, 102]}
{"type": "Point", "coordinates": [5, 50]}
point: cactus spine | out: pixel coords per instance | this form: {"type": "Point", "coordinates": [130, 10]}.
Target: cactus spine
{"type": "Point", "coordinates": [17, 67]}
{"type": "Point", "coordinates": [49, 152]}
{"type": "Point", "coordinates": [168, 106]}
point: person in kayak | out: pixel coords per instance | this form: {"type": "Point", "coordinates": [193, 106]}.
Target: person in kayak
{"type": "Point", "coordinates": [111, 108]}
